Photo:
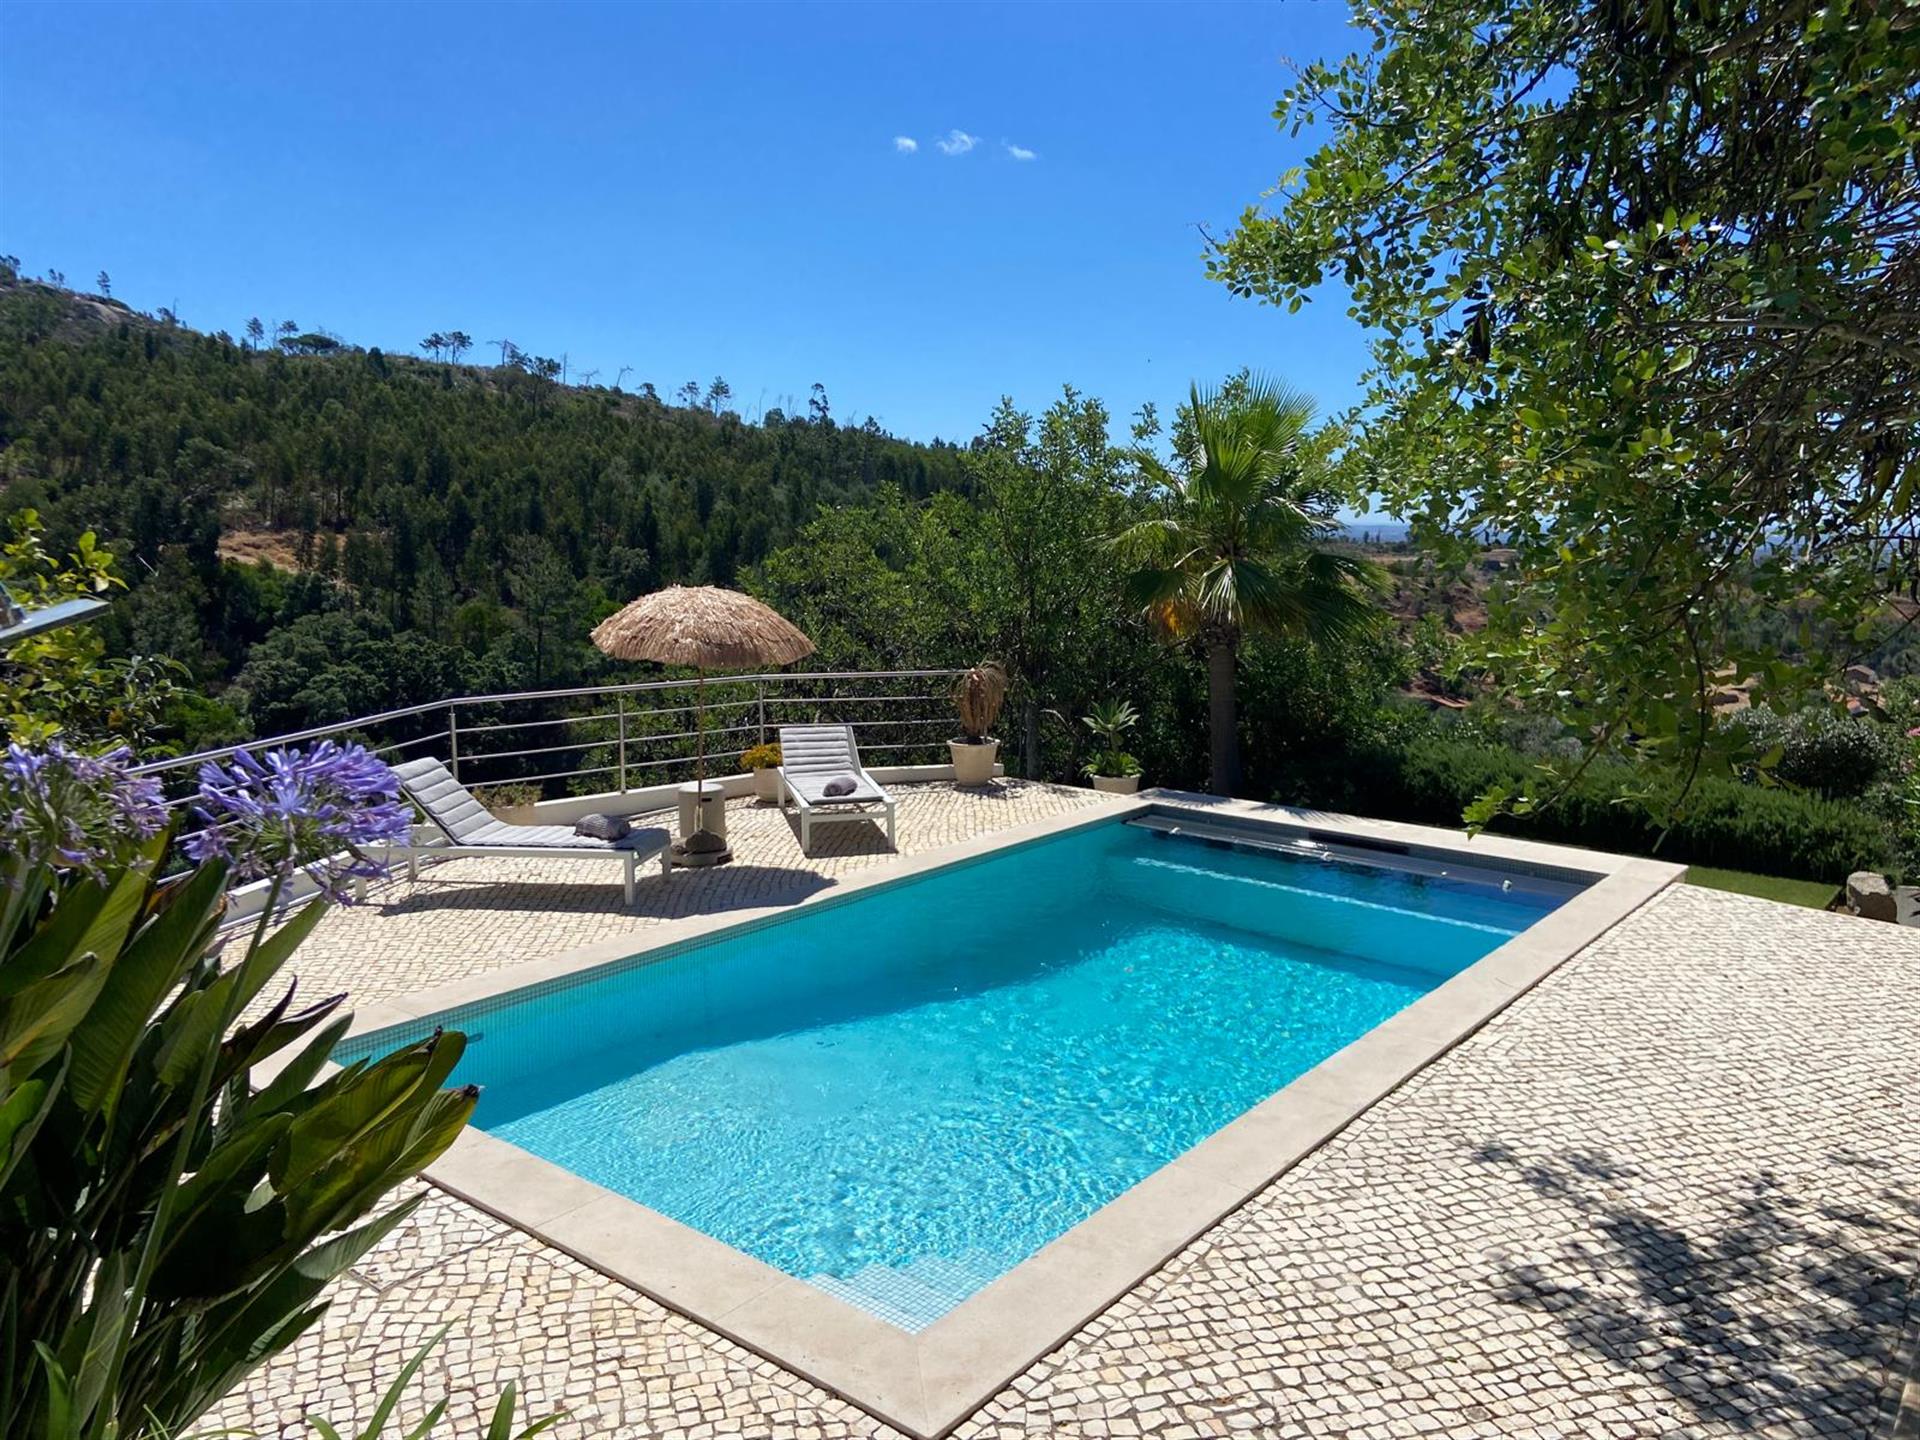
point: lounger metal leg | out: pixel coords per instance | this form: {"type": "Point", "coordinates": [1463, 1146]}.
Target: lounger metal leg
{"type": "Point", "coordinates": [893, 834]}
{"type": "Point", "coordinates": [630, 859]}
{"type": "Point", "coordinates": [666, 861]}
{"type": "Point", "coordinates": [806, 831]}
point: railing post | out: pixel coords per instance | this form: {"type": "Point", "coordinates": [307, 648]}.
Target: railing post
{"type": "Point", "coordinates": [623, 742]}
{"type": "Point", "coordinates": [760, 688]}
{"type": "Point", "coordinates": [453, 740]}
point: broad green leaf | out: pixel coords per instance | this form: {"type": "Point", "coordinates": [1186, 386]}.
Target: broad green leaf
{"type": "Point", "coordinates": [160, 955]}
{"type": "Point", "coordinates": [196, 1023]}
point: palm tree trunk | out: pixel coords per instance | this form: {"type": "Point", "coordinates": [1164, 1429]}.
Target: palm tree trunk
{"type": "Point", "coordinates": [1223, 714]}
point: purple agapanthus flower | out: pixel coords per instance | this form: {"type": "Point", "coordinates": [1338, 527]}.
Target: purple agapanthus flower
{"type": "Point", "coordinates": [315, 810]}
{"type": "Point", "coordinates": [74, 811]}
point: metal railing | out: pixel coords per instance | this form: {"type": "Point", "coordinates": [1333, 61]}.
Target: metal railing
{"type": "Point", "coordinates": [608, 737]}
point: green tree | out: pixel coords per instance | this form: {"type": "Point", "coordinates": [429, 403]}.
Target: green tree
{"type": "Point", "coordinates": [1048, 494]}
{"type": "Point", "coordinates": [1644, 279]}
{"type": "Point", "coordinates": [1237, 543]}
{"type": "Point", "coordinates": [543, 591]}
{"type": "Point", "coordinates": [62, 682]}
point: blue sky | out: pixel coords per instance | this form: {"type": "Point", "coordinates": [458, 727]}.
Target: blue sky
{"type": "Point", "coordinates": [692, 191]}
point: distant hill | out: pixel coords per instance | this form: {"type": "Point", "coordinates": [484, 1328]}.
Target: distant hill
{"type": "Point", "coordinates": [1376, 531]}
{"type": "Point", "coordinates": [470, 516]}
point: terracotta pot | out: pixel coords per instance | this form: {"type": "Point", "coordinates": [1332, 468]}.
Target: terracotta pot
{"type": "Point", "coordinates": [973, 763]}
{"type": "Point", "coordinates": [766, 786]}
{"type": "Point", "coordinates": [1117, 784]}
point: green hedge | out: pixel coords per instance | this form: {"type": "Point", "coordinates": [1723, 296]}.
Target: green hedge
{"type": "Point", "coordinates": [1723, 823]}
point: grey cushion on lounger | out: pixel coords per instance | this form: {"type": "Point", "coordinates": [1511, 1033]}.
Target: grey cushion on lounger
{"type": "Point", "coordinates": [840, 785]}
{"type": "Point", "coordinates": [602, 827]}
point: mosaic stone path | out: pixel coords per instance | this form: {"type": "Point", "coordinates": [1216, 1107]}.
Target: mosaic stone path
{"type": "Point", "coordinates": [1673, 1191]}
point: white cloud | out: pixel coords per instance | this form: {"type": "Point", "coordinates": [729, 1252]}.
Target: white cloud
{"type": "Point", "coordinates": [1019, 152]}
{"type": "Point", "coordinates": [958, 142]}
{"type": "Point", "coordinates": [905, 144]}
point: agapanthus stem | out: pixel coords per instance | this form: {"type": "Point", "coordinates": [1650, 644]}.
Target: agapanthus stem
{"type": "Point", "coordinates": [105, 1421]}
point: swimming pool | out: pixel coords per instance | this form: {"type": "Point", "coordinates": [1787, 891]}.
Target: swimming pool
{"type": "Point", "coordinates": [899, 1098]}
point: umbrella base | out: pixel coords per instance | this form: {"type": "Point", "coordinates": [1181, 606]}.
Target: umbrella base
{"type": "Point", "coordinates": [702, 848]}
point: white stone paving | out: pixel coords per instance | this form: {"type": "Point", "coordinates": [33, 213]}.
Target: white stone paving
{"type": "Point", "coordinates": [1674, 1190]}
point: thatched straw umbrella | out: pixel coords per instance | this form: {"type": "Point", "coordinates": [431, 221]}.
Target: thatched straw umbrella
{"type": "Point", "coordinates": [707, 628]}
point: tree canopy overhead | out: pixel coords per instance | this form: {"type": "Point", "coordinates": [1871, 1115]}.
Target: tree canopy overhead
{"type": "Point", "coordinates": [1646, 277]}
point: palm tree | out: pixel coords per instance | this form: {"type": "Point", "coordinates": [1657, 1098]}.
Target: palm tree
{"type": "Point", "coordinates": [1237, 545]}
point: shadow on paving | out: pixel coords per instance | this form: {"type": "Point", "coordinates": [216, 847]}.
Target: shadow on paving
{"type": "Point", "coordinates": [675, 897]}
{"type": "Point", "coordinates": [1781, 1309]}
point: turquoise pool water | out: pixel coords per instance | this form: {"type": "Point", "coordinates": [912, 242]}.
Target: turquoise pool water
{"type": "Point", "coordinates": [901, 1097]}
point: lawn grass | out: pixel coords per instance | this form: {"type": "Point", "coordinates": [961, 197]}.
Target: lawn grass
{"type": "Point", "coordinates": [1810, 893]}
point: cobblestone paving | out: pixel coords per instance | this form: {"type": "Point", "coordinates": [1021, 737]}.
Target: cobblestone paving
{"type": "Point", "coordinates": [463, 917]}
{"type": "Point", "coordinates": [1671, 1191]}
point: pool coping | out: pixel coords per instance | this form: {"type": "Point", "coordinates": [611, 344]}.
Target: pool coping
{"type": "Point", "coordinates": [926, 1383]}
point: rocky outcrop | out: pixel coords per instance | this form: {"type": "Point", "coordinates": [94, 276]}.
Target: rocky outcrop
{"type": "Point", "coordinates": [1870, 896]}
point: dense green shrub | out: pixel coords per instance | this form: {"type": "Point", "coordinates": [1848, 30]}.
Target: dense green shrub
{"type": "Point", "coordinates": [1838, 756]}
{"type": "Point", "coordinates": [1721, 822]}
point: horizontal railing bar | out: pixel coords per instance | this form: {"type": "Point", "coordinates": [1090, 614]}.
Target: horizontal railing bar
{"type": "Point", "coordinates": [537, 724]}
{"type": "Point", "coordinates": [474, 757]}
{"type": "Point", "coordinates": [683, 759]}
{"type": "Point", "coordinates": [434, 707]}
{"type": "Point", "coordinates": [533, 779]}
{"type": "Point", "coordinates": [850, 699]}
{"type": "Point", "coordinates": [477, 756]}
{"type": "Point", "coordinates": [771, 678]}
{"type": "Point", "coordinates": [711, 705]}
{"type": "Point", "coordinates": [426, 739]}
{"type": "Point", "coordinates": [317, 732]}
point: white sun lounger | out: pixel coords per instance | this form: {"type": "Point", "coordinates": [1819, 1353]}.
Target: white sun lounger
{"type": "Point", "coordinates": [472, 831]}
{"type": "Point", "coordinates": [810, 756]}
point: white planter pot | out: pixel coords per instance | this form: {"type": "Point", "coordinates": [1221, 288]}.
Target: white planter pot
{"type": "Point", "coordinates": [973, 764]}
{"type": "Point", "coordinates": [1117, 784]}
{"type": "Point", "coordinates": [766, 786]}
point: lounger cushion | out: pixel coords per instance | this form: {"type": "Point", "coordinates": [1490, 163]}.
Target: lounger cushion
{"type": "Point", "coordinates": [467, 822]}
{"type": "Point", "coordinates": [561, 837]}
{"type": "Point", "coordinates": [813, 789]}
{"type": "Point", "coordinates": [448, 803]}
{"type": "Point", "coordinates": [824, 750]}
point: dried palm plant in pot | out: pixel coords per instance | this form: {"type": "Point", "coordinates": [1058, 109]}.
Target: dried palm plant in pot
{"type": "Point", "coordinates": [978, 696]}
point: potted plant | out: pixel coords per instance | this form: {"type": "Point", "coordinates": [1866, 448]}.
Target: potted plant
{"type": "Point", "coordinates": [764, 762]}
{"type": "Point", "coordinates": [978, 696]}
{"type": "Point", "coordinates": [1112, 769]}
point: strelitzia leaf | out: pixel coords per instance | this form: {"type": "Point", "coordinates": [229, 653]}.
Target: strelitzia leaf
{"type": "Point", "coordinates": [299, 1072]}
{"type": "Point", "coordinates": [195, 1022]}
{"type": "Point", "coordinates": [159, 956]}
{"type": "Point", "coordinates": [90, 919]}
{"type": "Point", "coordinates": [35, 1023]}
{"type": "Point", "coordinates": [21, 1116]}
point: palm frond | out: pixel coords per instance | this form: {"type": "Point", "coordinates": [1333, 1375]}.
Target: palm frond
{"type": "Point", "coordinates": [1152, 541]}
{"type": "Point", "coordinates": [1150, 586]}
{"type": "Point", "coordinates": [1240, 540]}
